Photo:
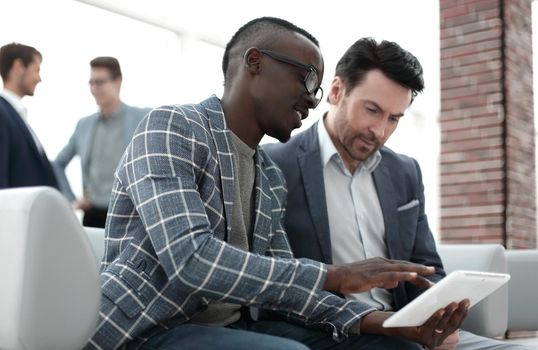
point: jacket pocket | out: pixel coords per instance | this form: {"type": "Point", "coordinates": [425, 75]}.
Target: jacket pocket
{"type": "Point", "coordinates": [412, 204]}
{"type": "Point", "coordinates": [407, 226]}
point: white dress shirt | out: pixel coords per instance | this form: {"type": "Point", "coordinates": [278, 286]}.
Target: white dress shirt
{"type": "Point", "coordinates": [355, 218]}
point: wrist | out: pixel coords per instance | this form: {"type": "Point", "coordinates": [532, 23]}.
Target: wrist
{"type": "Point", "coordinates": [372, 323]}
{"type": "Point", "coordinates": [333, 279]}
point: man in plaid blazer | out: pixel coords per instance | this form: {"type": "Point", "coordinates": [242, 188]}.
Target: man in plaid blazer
{"type": "Point", "coordinates": [194, 230]}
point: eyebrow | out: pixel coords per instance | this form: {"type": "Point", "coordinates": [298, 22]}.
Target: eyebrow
{"type": "Point", "coordinates": [399, 115]}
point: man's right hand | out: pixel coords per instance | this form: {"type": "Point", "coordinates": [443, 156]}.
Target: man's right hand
{"type": "Point", "coordinates": [364, 275]}
{"type": "Point", "coordinates": [82, 204]}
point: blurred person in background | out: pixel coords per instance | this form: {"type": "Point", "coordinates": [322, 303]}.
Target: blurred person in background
{"type": "Point", "coordinates": [23, 161]}
{"type": "Point", "coordinates": [99, 140]}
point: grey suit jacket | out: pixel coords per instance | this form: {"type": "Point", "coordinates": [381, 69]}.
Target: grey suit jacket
{"type": "Point", "coordinates": [165, 251]}
{"type": "Point", "coordinates": [80, 143]}
{"type": "Point", "coordinates": [398, 181]}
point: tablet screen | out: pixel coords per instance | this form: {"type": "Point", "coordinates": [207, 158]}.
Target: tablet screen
{"type": "Point", "coordinates": [455, 287]}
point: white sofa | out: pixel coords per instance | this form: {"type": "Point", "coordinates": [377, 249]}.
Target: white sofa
{"type": "Point", "coordinates": [511, 308]}
{"type": "Point", "coordinates": [523, 290]}
{"type": "Point", "coordinates": [50, 295]}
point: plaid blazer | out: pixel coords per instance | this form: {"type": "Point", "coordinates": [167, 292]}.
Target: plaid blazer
{"type": "Point", "coordinates": [165, 250]}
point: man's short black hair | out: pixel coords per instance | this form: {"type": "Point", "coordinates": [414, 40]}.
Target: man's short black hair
{"type": "Point", "coordinates": [10, 52]}
{"type": "Point", "coordinates": [255, 32]}
{"type": "Point", "coordinates": [396, 63]}
{"type": "Point", "coordinates": [107, 62]}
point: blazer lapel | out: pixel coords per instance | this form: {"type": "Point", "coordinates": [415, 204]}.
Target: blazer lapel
{"type": "Point", "coordinates": [222, 141]}
{"type": "Point", "coordinates": [262, 209]}
{"type": "Point", "coordinates": [309, 159]}
{"type": "Point", "coordinates": [387, 200]}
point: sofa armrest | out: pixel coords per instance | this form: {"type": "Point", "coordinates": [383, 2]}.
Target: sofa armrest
{"type": "Point", "coordinates": [490, 316]}
{"type": "Point", "coordinates": [522, 290]}
{"type": "Point", "coordinates": [96, 237]}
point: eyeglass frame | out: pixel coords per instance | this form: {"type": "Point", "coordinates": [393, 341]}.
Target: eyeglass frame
{"type": "Point", "coordinates": [311, 69]}
{"type": "Point", "coordinates": [100, 82]}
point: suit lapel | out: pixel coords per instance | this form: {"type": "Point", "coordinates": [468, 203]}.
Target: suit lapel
{"type": "Point", "coordinates": [87, 141]}
{"type": "Point", "coordinates": [26, 132]}
{"type": "Point", "coordinates": [309, 160]}
{"type": "Point", "coordinates": [221, 137]}
{"type": "Point", "coordinates": [128, 125]}
{"type": "Point", "coordinates": [387, 200]}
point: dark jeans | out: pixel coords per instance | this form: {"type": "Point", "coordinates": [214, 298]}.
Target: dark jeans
{"type": "Point", "coordinates": [265, 335]}
{"type": "Point", "coordinates": [95, 217]}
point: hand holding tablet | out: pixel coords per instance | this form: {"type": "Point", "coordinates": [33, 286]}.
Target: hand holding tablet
{"type": "Point", "coordinates": [455, 287]}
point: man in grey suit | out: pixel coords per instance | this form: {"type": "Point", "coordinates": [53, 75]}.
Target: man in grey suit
{"type": "Point", "coordinates": [99, 140]}
{"type": "Point", "coordinates": [351, 198]}
{"type": "Point", "coordinates": [194, 235]}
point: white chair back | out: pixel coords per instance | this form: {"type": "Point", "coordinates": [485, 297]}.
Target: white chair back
{"type": "Point", "coordinates": [50, 290]}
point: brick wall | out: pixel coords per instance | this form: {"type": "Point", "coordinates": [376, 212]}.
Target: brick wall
{"type": "Point", "coordinates": [487, 123]}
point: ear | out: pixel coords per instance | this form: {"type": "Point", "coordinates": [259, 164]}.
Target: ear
{"type": "Point", "coordinates": [17, 67]}
{"type": "Point", "coordinates": [337, 90]}
{"type": "Point", "coordinates": [252, 60]}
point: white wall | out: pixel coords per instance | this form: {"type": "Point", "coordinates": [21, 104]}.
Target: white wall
{"type": "Point", "coordinates": [160, 68]}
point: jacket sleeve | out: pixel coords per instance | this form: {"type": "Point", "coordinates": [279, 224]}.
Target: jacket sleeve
{"type": "Point", "coordinates": [60, 163]}
{"type": "Point", "coordinates": [330, 312]}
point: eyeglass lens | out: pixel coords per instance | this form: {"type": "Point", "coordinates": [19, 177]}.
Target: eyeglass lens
{"type": "Point", "coordinates": [311, 85]}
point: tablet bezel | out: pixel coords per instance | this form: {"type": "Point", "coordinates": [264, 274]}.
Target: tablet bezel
{"type": "Point", "coordinates": [458, 285]}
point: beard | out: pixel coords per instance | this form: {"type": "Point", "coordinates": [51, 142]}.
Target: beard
{"type": "Point", "coordinates": [361, 152]}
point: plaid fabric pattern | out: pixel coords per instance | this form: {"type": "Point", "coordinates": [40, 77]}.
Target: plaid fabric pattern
{"type": "Point", "coordinates": [170, 210]}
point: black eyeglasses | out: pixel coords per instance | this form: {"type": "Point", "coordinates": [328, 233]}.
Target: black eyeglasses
{"type": "Point", "coordinates": [311, 81]}
{"type": "Point", "coordinates": [99, 82]}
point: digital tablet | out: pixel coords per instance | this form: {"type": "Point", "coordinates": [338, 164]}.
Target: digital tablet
{"type": "Point", "coordinates": [455, 287]}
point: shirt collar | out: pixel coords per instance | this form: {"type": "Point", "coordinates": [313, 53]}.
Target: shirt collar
{"type": "Point", "coordinates": [329, 152]}
{"type": "Point", "coordinates": [15, 101]}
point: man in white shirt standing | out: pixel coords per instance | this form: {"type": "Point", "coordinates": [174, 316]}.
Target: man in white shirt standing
{"type": "Point", "coordinates": [23, 161]}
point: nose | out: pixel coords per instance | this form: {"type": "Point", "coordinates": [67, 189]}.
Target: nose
{"type": "Point", "coordinates": [311, 101]}
{"type": "Point", "coordinates": [378, 128]}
